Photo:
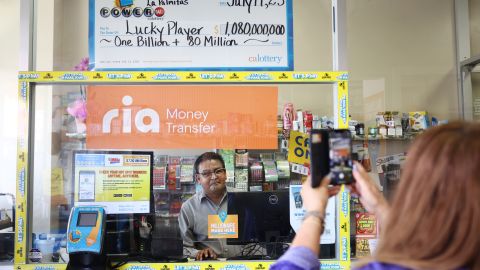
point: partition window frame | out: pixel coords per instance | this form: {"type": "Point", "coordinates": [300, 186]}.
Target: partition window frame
{"type": "Point", "coordinates": [25, 139]}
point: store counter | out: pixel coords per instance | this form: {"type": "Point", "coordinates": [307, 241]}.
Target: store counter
{"type": "Point", "coordinates": [205, 265]}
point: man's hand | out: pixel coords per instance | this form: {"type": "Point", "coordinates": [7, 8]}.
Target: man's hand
{"type": "Point", "coordinates": [206, 254]}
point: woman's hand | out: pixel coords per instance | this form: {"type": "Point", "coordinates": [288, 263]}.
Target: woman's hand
{"type": "Point", "coordinates": [315, 199]}
{"type": "Point", "coordinates": [370, 196]}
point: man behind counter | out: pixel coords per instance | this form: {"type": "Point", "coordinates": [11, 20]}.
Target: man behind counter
{"type": "Point", "coordinates": [210, 173]}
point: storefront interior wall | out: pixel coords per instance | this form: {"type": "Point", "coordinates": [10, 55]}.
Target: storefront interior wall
{"type": "Point", "coordinates": [10, 32]}
{"type": "Point", "coordinates": [401, 56]}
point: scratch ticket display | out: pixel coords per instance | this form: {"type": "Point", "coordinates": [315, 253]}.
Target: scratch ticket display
{"type": "Point", "coordinates": [366, 224]}
{"type": "Point", "coordinates": [270, 170]}
{"type": "Point", "coordinates": [159, 177]}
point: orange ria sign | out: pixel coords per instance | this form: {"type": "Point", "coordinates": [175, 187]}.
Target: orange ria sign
{"type": "Point", "coordinates": [153, 117]}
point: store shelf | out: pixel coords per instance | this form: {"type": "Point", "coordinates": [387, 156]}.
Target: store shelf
{"type": "Point", "coordinates": [79, 136]}
{"type": "Point", "coordinates": [408, 137]}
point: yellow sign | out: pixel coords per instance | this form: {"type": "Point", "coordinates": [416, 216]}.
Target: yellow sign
{"type": "Point", "coordinates": [299, 148]}
{"type": "Point", "coordinates": [223, 226]}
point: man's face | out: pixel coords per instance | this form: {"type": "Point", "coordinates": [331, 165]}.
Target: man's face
{"type": "Point", "coordinates": [211, 175]}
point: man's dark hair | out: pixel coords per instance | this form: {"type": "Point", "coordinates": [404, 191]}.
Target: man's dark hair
{"type": "Point", "coordinates": [208, 156]}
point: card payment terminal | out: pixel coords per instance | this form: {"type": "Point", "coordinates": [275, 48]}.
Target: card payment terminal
{"type": "Point", "coordinates": [85, 238]}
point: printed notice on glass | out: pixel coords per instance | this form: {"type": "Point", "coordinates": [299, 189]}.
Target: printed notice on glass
{"type": "Point", "coordinates": [120, 182]}
{"type": "Point", "coordinates": [297, 212]}
{"type": "Point", "coordinates": [191, 34]}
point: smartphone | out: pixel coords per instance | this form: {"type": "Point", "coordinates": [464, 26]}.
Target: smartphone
{"type": "Point", "coordinates": [319, 155]}
{"type": "Point", "coordinates": [340, 157]}
{"type": "Point", "coordinates": [86, 186]}
{"type": "Point", "coordinates": [331, 152]}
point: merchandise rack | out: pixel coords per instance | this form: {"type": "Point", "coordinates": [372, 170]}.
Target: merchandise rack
{"type": "Point", "coordinates": [26, 86]}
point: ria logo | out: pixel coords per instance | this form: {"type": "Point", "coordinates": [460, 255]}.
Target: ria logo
{"type": "Point", "coordinates": [138, 120]}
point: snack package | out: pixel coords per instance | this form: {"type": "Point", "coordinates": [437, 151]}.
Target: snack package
{"type": "Point", "coordinates": [418, 120]}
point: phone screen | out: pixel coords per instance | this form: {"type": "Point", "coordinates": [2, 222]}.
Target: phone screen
{"type": "Point", "coordinates": [340, 155]}
{"type": "Point", "coordinates": [319, 161]}
{"type": "Point", "coordinates": [86, 186]}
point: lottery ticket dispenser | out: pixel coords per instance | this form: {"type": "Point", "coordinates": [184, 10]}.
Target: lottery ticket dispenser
{"type": "Point", "coordinates": [85, 238]}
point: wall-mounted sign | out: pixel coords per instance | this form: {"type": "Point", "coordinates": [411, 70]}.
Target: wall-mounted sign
{"type": "Point", "coordinates": [153, 117]}
{"type": "Point", "coordinates": [191, 34]}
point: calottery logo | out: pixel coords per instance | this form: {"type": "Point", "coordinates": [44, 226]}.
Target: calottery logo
{"type": "Point", "coordinates": [141, 76]}
{"type": "Point", "coordinates": [234, 76]}
{"type": "Point", "coordinates": [139, 117]}
{"type": "Point", "coordinates": [283, 76]}
{"type": "Point", "coordinates": [48, 76]}
{"type": "Point", "coordinates": [98, 76]}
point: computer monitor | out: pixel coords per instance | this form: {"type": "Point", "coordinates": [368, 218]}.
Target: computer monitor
{"type": "Point", "coordinates": [263, 217]}
{"type": "Point", "coordinates": [120, 181]}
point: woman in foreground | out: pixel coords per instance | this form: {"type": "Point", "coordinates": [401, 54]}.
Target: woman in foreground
{"type": "Point", "coordinates": [434, 219]}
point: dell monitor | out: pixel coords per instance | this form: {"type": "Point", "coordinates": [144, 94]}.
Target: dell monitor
{"type": "Point", "coordinates": [264, 218]}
